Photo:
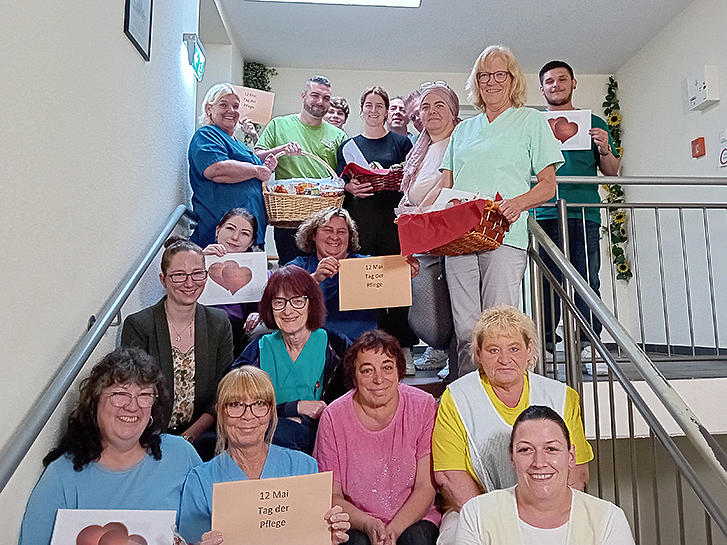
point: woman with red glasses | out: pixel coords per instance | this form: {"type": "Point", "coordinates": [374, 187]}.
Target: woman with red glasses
{"type": "Point", "coordinates": [192, 343]}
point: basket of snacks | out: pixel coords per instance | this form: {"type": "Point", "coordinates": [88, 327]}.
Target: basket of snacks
{"type": "Point", "coordinates": [289, 202]}
{"type": "Point", "coordinates": [465, 228]}
{"type": "Point", "coordinates": [381, 179]}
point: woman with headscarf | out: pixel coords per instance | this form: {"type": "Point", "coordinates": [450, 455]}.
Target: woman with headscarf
{"type": "Point", "coordinates": [422, 182]}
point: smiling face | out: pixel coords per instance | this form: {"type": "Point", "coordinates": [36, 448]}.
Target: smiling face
{"type": "Point", "coordinates": [335, 116]}
{"type": "Point", "coordinates": [436, 116]}
{"type": "Point", "coordinates": [373, 111]}
{"type": "Point", "coordinates": [290, 320]}
{"type": "Point", "coordinates": [496, 96]}
{"type": "Point", "coordinates": [122, 425]}
{"type": "Point", "coordinates": [541, 458]}
{"type": "Point", "coordinates": [236, 234]}
{"type": "Point", "coordinates": [504, 358]}
{"type": "Point", "coordinates": [332, 238]}
{"type": "Point", "coordinates": [187, 292]}
{"type": "Point", "coordinates": [317, 99]}
{"type": "Point", "coordinates": [376, 378]}
{"type": "Point", "coordinates": [225, 113]}
{"type": "Point", "coordinates": [397, 118]}
{"type": "Point", "coordinates": [247, 430]}
{"type": "Point", "coordinates": [558, 86]}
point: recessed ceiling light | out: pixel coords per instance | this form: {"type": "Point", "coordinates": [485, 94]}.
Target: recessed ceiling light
{"type": "Point", "coordinates": [382, 3]}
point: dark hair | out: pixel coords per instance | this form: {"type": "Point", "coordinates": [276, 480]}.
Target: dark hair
{"type": "Point", "coordinates": [554, 64]}
{"type": "Point", "coordinates": [243, 213]}
{"type": "Point", "coordinates": [293, 280]}
{"type": "Point", "coordinates": [539, 412]}
{"type": "Point", "coordinates": [82, 438]}
{"type": "Point", "coordinates": [175, 245]}
{"type": "Point", "coordinates": [305, 237]}
{"type": "Point", "coordinates": [342, 104]}
{"type": "Point", "coordinates": [317, 78]}
{"type": "Point", "coordinates": [376, 90]}
{"type": "Point", "coordinates": [375, 340]}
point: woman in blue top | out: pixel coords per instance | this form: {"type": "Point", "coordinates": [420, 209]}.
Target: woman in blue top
{"type": "Point", "coordinates": [302, 359]}
{"type": "Point", "coordinates": [246, 424]}
{"type": "Point", "coordinates": [112, 454]}
{"type": "Point", "coordinates": [496, 152]}
{"type": "Point", "coordinates": [223, 172]}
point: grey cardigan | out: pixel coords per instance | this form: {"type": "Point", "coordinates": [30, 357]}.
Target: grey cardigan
{"type": "Point", "coordinates": [148, 329]}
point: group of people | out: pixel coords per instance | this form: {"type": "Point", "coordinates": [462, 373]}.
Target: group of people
{"type": "Point", "coordinates": [198, 395]}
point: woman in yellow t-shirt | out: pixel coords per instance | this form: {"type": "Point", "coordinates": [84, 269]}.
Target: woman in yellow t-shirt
{"type": "Point", "coordinates": [477, 411]}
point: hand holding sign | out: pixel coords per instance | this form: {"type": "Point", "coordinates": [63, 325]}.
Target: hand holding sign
{"type": "Point", "coordinates": [571, 128]}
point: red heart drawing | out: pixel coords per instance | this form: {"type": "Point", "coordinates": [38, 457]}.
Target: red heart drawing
{"type": "Point", "coordinates": [114, 533]}
{"type": "Point", "coordinates": [230, 275]}
{"type": "Point", "coordinates": [562, 128]}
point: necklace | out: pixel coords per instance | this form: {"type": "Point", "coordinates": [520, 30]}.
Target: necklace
{"type": "Point", "coordinates": [178, 338]}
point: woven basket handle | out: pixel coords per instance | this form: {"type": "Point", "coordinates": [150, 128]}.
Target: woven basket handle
{"type": "Point", "coordinates": [314, 157]}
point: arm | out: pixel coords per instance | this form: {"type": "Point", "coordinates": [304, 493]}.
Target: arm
{"type": "Point", "coordinates": [457, 486]}
{"type": "Point", "coordinates": [291, 148]}
{"type": "Point", "coordinates": [578, 478]}
{"type": "Point", "coordinates": [195, 512]}
{"type": "Point", "coordinates": [421, 498]}
{"type": "Point", "coordinates": [607, 161]}
{"type": "Point", "coordinates": [40, 512]}
{"type": "Point", "coordinates": [230, 171]}
{"type": "Point", "coordinates": [538, 194]}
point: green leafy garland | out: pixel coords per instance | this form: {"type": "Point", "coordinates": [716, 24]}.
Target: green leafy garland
{"type": "Point", "coordinates": [617, 216]}
{"type": "Point", "coordinates": [256, 75]}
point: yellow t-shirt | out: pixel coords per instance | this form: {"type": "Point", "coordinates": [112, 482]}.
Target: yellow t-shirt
{"type": "Point", "coordinates": [450, 448]}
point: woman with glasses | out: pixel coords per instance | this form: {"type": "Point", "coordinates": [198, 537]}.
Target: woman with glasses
{"type": "Point", "coordinates": [246, 422]}
{"type": "Point", "coordinates": [192, 343]}
{"type": "Point", "coordinates": [302, 359]}
{"type": "Point", "coordinates": [112, 454]}
{"type": "Point", "coordinates": [495, 153]}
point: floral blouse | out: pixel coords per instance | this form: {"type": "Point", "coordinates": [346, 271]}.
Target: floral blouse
{"type": "Point", "coordinates": [183, 406]}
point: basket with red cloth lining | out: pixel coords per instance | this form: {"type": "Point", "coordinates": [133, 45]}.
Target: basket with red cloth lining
{"type": "Point", "coordinates": [381, 179]}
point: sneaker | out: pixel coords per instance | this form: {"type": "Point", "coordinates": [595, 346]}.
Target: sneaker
{"type": "Point", "coordinates": [410, 369]}
{"type": "Point", "coordinates": [444, 372]}
{"type": "Point", "coordinates": [587, 358]}
{"type": "Point", "coordinates": [431, 359]}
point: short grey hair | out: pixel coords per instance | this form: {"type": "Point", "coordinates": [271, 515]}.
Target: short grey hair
{"type": "Point", "coordinates": [317, 78]}
{"type": "Point", "coordinates": [215, 93]}
{"type": "Point", "coordinates": [305, 238]}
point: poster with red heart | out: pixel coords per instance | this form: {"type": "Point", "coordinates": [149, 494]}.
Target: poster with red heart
{"type": "Point", "coordinates": [570, 128]}
{"type": "Point", "coordinates": [235, 278]}
{"type": "Point", "coordinates": [113, 527]}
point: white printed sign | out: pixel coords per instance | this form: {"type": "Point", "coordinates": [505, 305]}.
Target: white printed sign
{"type": "Point", "coordinates": [94, 526]}
{"type": "Point", "coordinates": [235, 278]}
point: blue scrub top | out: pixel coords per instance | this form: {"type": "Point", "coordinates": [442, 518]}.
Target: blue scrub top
{"type": "Point", "coordinates": [211, 200]}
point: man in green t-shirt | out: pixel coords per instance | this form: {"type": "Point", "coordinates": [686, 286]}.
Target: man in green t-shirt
{"type": "Point", "coordinates": [308, 130]}
{"type": "Point", "coordinates": [557, 84]}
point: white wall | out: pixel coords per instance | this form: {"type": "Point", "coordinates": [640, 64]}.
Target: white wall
{"type": "Point", "coordinates": [224, 65]}
{"type": "Point", "coordinates": [289, 83]}
{"type": "Point", "coordinates": [94, 159]}
{"type": "Point", "coordinates": [657, 130]}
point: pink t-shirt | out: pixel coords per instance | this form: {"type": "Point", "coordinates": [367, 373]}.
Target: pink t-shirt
{"type": "Point", "coordinates": [377, 469]}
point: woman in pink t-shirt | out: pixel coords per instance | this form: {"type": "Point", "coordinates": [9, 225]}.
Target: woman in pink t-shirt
{"type": "Point", "coordinates": [377, 440]}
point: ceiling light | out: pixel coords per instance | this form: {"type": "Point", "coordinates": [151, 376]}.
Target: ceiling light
{"type": "Point", "coordinates": [381, 3]}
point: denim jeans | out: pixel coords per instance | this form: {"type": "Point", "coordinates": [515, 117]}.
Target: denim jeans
{"type": "Point", "coordinates": [585, 257]}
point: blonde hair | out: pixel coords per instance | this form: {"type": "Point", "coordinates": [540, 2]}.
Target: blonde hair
{"type": "Point", "coordinates": [215, 93]}
{"type": "Point", "coordinates": [505, 320]}
{"type": "Point", "coordinates": [245, 382]}
{"type": "Point", "coordinates": [518, 91]}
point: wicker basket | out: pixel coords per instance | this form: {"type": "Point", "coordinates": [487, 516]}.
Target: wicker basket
{"type": "Point", "coordinates": [487, 236]}
{"type": "Point", "coordinates": [380, 181]}
{"type": "Point", "coordinates": [286, 210]}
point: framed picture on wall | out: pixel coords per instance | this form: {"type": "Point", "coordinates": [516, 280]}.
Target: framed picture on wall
{"type": "Point", "coordinates": [137, 25]}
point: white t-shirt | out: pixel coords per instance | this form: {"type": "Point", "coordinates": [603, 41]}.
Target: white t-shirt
{"type": "Point", "coordinates": [429, 175]}
{"type": "Point", "coordinates": [617, 530]}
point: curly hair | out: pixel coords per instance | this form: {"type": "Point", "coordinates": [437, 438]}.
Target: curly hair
{"type": "Point", "coordinates": [82, 437]}
{"type": "Point", "coordinates": [375, 340]}
{"type": "Point", "coordinates": [305, 237]}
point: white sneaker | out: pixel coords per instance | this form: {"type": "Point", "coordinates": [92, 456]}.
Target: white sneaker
{"type": "Point", "coordinates": [431, 359]}
{"type": "Point", "coordinates": [444, 373]}
{"type": "Point", "coordinates": [410, 369]}
{"type": "Point", "coordinates": [587, 358]}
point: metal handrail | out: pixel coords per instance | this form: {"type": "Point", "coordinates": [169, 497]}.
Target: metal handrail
{"type": "Point", "coordinates": [697, 434]}
{"type": "Point", "coordinates": [643, 180]}
{"type": "Point", "coordinates": [39, 413]}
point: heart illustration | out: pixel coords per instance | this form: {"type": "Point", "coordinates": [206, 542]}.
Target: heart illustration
{"type": "Point", "coordinates": [562, 128]}
{"type": "Point", "coordinates": [230, 275]}
{"type": "Point", "coordinates": [114, 533]}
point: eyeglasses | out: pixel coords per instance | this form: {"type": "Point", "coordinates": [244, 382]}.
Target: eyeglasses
{"type": "Point", "coordinates": [237, 409]}
{"type": "Point", "coordinates": [181, 278]}
{"type": "Point", "coordinates": [122, 399]}
{"type": "Point", "coordinates": [500, 76]}
{"type": "Point", "coordinates": [429, 84]}
{"type": "Point", "coordinates": [298, 302]}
